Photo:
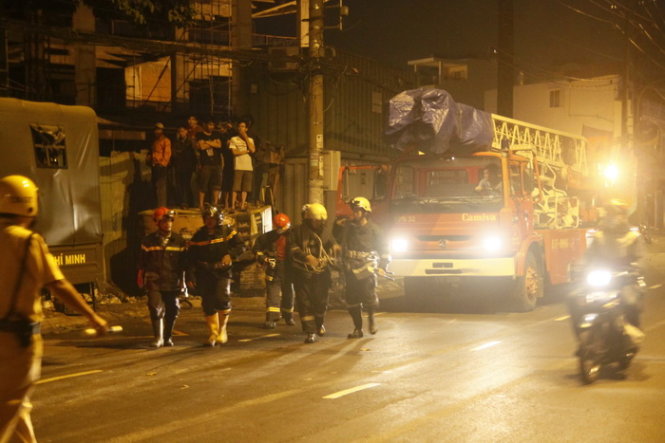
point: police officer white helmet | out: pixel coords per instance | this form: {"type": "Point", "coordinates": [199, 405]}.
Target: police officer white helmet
{"type": "Point", "coordinates": [18, 196]}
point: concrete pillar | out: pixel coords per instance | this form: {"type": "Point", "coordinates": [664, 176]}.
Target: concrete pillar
{"type": "Point", "coordinates": [85, 69]}
{"type": "Point", "coordinates": [179, 83]}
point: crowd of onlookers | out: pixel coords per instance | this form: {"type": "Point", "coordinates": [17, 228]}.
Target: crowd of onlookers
{"type": "Point", "coordinates": [216, 163]}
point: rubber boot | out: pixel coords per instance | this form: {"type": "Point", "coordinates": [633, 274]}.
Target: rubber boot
{"type": "Point", "coordinates": [320, 327]}
{"type": "Point", "coordinates": [288, 318]}
{"type": "Point", "coordinates": [356, 316]}
{"type": "Point", "coordinates": [169, 323]}
{"type": "Point", "coordinates": [224, 320]}
{"type": "Point", "coordinates": [213, 328]}
{"type": "Point", "coordinates": [311, 338]}
{"type": "Point", "coordinates": [158, 332]}
{"type": "Point", "coordinates": [270, 323]}
{"type": "Point", "coordinates": [372, 322]}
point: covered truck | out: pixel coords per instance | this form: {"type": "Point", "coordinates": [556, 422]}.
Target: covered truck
{"type": "Point", "coordinates": [57, 147]}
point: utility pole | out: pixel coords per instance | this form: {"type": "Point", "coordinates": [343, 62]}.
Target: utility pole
{"type": "Point", "coordinates": [316, 117]}
{"type": "Point", "coordinates": [505, 59]}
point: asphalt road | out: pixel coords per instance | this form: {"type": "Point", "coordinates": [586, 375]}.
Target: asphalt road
{"type": "Point", "coordinates": [443, 375]}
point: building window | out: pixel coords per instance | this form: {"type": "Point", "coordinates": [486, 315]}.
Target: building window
{"type": "Point", "coordinates": [555, 98]}
{"type": "Point", "coordinates": [49, 146]}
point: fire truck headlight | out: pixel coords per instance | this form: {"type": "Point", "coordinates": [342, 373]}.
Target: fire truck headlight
{"type": "Point", "coordinates": [599, 278]}
{"type": "Point", "coordinates": [611, 173]}
{"type": "Point", "coordinates": [492, 243]}
{"type": "Point", "coordinates": [399, 244]}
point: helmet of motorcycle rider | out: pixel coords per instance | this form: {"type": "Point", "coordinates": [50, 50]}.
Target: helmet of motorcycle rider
{"type": "Point", "coordinates": [210, 211]}
{"type": "Point", "coordinates": [282, 221]}
{"type": "Point", "coordinates": [163, 214]}
{"type": "Point", "coordinates": [314, 211]}
{"type": "Point", "coordinates": [18, 196]}
{"type": "Point", "coordinates": [361, 203]}
{"type": "Point", "coordinates": [615, 219]}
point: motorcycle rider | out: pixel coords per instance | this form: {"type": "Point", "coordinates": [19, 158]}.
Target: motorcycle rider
{"type": "Point", "coordinates": [614, 245]}
{"type": "Point", "coordinates": [365, 253]}
{"type": "Point", "coordinates": [162, 263]}
{"type": "Point", "coordinates": [271, 249]}
{"type": "Point", "coordinates": [211, 252]}
{"type": "Point", "coordinates": [309, 253]}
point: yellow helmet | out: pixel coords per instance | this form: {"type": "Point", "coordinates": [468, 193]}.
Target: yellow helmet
{"type": "Point", "coordinates": [362, 203]}
{"type": "Point", "coordinates": [314, 211]}
{"type": "Point", "coordinates": [18, 195]}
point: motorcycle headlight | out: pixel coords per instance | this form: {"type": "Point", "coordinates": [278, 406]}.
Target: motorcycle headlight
{"type": "Point", "coordinates": [399, 244]}
{"type": "Point", "coordinates": [492, 243]}
{"type": "Point", "coordinates": [599, 278]}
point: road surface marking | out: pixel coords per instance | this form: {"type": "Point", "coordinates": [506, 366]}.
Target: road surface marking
{"type": "Point", "coordinates": [62, 377]}
{"type": "Point", "coordinates": [656, 286]}
{"type": "Point", "coordinates": [351, 391]}
{"type": "Point", "coordinates": [486, 345]}
{"type": "Point", "coordinates": [562, 318]}
{"type": "Point", "coordinates": [245, 340]}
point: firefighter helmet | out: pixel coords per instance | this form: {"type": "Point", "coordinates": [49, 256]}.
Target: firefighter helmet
{"type": "Point", "coordinates": [18, 196]}
{"type": "Point", "coordinates": [163, 213]}
{"type": "Point", "coordinates": [282, 221]}
{"type": "Point", "coordinates": [361, 203]}
{"type": "Point", "coordinates": [210, 211]}
{"type": "Point", "coordinates": [314, 211]}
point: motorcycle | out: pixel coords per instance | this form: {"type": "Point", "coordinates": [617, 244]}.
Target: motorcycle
{"type": "Point", "coordinates": [598, 312]}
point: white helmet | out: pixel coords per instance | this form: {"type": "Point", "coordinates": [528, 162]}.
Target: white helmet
{"type": "Point", "coordinates": [314, 211]}
{"type": "Point", "coordinates": [362, 203]}
{"type": "Point", "coordinates": [18, 195]}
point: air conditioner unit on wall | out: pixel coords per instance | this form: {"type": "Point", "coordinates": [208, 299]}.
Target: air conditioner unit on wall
{"type": "Point", "coordinates": [278, 55]}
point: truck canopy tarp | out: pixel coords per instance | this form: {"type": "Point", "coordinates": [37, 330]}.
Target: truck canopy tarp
{"type": "Point", "coordinates": [431, 121]}
{"type": "Point", "coordinates": [57, 147]}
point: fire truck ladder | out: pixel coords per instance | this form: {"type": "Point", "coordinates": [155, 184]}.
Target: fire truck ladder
{"type": "Point", "coordinates": [555, 152]}
{"type": "Point", "coordinates": [554, 148]}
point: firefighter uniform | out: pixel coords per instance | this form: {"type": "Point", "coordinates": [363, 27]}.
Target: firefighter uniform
{"type": "Point", "coordinates": [271, 248]}
{"type": "Point", "coordinates": [213, 279]}
{"type": "Point", "coordinates": [363, 250]}
{"type": "Point", "coordinates": [311, 285]}
{"type": "Point", "coordinates": [163, 262]}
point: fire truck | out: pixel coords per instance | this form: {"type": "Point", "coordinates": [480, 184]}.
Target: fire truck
{"type": "Point", "coordinates": [515, 212]}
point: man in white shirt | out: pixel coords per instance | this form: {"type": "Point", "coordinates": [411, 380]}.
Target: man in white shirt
{"type": "Point", "coordinates": [242, 146]}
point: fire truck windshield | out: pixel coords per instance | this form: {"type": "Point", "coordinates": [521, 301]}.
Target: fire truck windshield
{"type": "Point", "coordinates": [470, 184]}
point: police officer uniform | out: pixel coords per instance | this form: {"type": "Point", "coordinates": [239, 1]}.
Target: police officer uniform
{"type": "Point", "coordinates": [271, 249]}
{"type": "Point", "coordinates": [163, 261]}
{"type": "Point", "coordinates": [26, 266]}
{"type": "Point", "coordinates": [213, 279]}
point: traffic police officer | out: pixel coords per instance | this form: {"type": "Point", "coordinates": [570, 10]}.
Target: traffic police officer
{"type": "Point", "coordinates": [211, 253]}
{"type": "Point", "coordinates": [162, 263]}
{"type": "Point", "coordinates": [365, 253]}
{"type": "Point", "coordinates": [26, 266]}
{"type": "Point", "coordinates": [271, 250]}
{"type": "Point", "coordinates": [309, 251]}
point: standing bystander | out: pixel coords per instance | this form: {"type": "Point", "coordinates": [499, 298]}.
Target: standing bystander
{"type": "Point", "coordinates": [209, 145]}
{"type": "Point", "coordinates": [160, 157]}
{"type": "Point", "coordinates": [242, 145]}
{"type": "Point", "coordinates": [183, 163]}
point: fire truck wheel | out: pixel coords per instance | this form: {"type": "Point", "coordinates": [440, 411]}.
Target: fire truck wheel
{"type": "Point", "coordinates": [529, 287]}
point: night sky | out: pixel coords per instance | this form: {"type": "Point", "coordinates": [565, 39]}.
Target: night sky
{"type": "Point", "coordinates": [550, 38]}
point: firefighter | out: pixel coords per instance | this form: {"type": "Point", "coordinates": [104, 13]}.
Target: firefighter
{"type": "Point", "coordinates": [26, 267]}
{"type": "Point", "coordinates": [364, 253]}
{"type": "Point", "coordinates": [309, 252]}
{"type": "Point", "coordinates": [162, 263]}
{"type": "Point", "coordinates": [211, 253]}
{"type": "Point", "coordinates": [271, 250]}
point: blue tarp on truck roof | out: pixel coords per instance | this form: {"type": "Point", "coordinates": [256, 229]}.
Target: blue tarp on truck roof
{"type": "Point", "coordinates": [429, 120]}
